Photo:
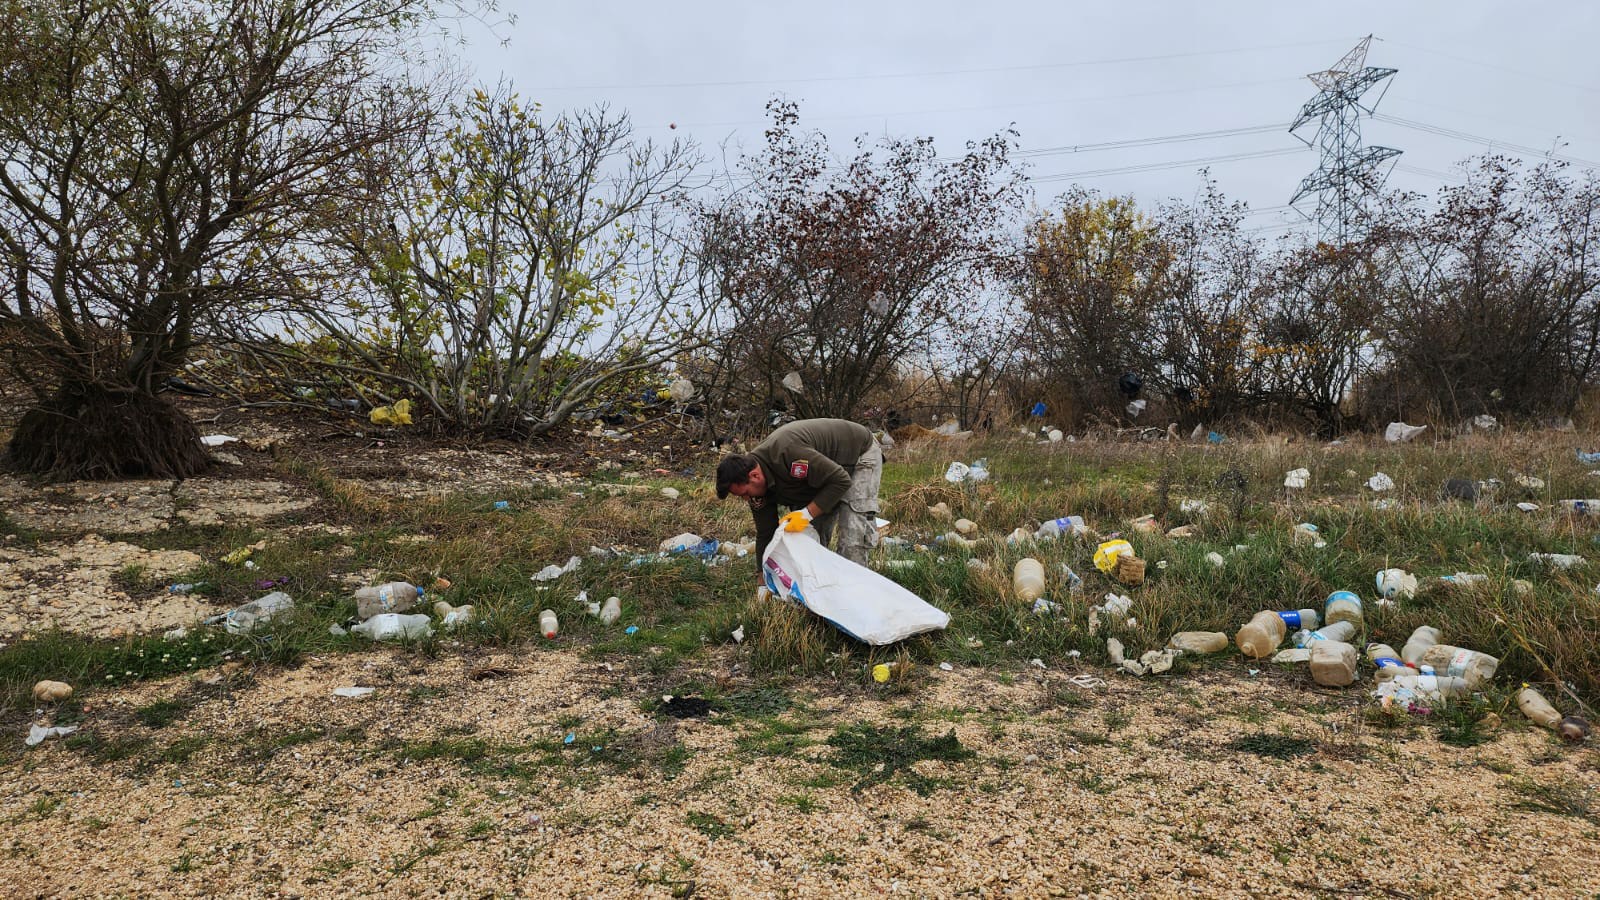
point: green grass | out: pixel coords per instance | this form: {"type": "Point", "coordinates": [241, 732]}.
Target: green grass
{"type": "Point", "coordinates": [1563, 797]}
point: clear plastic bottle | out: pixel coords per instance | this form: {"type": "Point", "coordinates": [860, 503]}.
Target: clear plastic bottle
{"type": "Point", "coordinates": [1336, 631]}
{"type": "Point", "coordinates": [1333, 663]}
{"type": "Point", "coordinates": [1068, 526]}
{"type": "Point", "coordinates": [611, 611]}
{"type": "Point", "coordinates": [1537, 708]}
{"type": "Point", "coordinates": [1387, 660]}
{"type": "Point", "coordinates": [394, 626]}
{"type": "Point", "coordinates": [1477, 669]}
{"type": "Point", "coordinates": [1261, 635]}
{"type": "Point", "coordinates": [246, 617]}
{"type": "Point", "coordinates": [1342, 606]}
{"type": "Point", "coordinates": [1027, 579]}
{"type": "Point", "coordinates": [1419, 643]}
{"type": "Point", "coordinates": [1300, 618]}
{"type": "Point", "coordinates": [395, 596]}
{"type": "Point", "coordinates": [548, 625]}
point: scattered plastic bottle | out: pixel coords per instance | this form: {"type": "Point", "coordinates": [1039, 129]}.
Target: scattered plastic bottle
{"type": "Point", "coordinates": [1423, 687]}
{"type": "Point", "coordinates": [1537, 708]}
{"type": "Point", "coordinates": [1299, 619]}
{"type": "Point", "coordinates": [1334, 631]}
{"type": "Point", "coordinates": [1342, 606]}
{"type": "Point", "coordinates": [394, 627]}
{"type": "Point", "coordinates": [1333, 663]}
{"type": "Point", "coordinates": [1261, 635]}
{"type": "Point", "coordinates": [395, 596]}
{"type": "Point", "coordinates": [1458, 662]}
{"type": "Point", "coordinates": [182, 588]}
{"type": "Point", "coordinates": [611, 611]}
{"type": "Point", "coordinates": [1055, 528]}
{"type": "Point", "coordinates": [1387, 660]}
{"type": "Point", "coordinates": [248, 616]}
{"type": "Point", "coordinates": [1419, 643]}
{"type": "Point", "coordinates": [1027, 579]}
{"type": "Point", "coordinates": [548, 625]}
{"type": "Point", "coordinates": [1198, 641]}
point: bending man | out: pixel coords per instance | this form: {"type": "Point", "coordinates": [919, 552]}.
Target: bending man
{"type": "Point", "coordinates": [825, 470]}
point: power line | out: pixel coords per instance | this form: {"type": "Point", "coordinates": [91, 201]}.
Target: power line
{"type": "Point", "coordinates": [1479, 139]}
{"type": "Point", "coordinates": [1150, 141]}
{"type": "Point", "coordinates": [1175, 164]}
{"type": "Point", "coordinates": [1479, 62]}
{"type": "Point", "coordinates": [822, 79]}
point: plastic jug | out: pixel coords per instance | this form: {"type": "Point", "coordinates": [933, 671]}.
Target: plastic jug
{"type": "Point", "coordinates": [1261, 635]}
{"type": "Point", "coordinates": [1419, 643]}
{"type": "Point", "coordinates": [1333, 663]}
{"type": "Point", "coordinates": [1458, 662]}
{"type": "Point", "coordinates": [548, 626]}
{"type": "Point", "coordinates": [1027, 579]}
{"type": "Point", "coordinates": [611, 611]}
{"type": "Point", "coordinates": [1336, 631]}
{"type": "Point", "coordinates": [1387, 660]}
{"type": "Point", "coordinates": [1537, 708]}
{"type": "Point", "coordinates": [1198, 641]}
{"type": "Point", "coordinates": [1342, 606]}
{"type": "Point", "coordinates": [395, 596]}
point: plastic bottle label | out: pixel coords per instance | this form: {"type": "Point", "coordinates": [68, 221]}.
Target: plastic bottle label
{"type": "Point", "coordinates": [1388, 662]}
{"type": "Point", "coordinates": [386, 597]}
{"type": "Point", "coordinates": [1458, 664]}
{"type": "Point", "coordinates": [1291, 618]}
{"type": "Point", "coordinates": [1316, 636]}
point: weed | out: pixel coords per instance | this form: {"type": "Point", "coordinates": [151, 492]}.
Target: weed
{"type": "Point", "coordinates": [161, 713]}
{"type": "Point", "coordinates": [185, 863]}
{"type": "Point", "coordinates": [1563, 797]}
{"type": "Point", "coordinates": [1276, 746]}
{"type": "Point", "coordinates": [878, 754]}
{"type": "Point", "coordinates": [709, 825]}
{"type": "Point", "coordinates": [1461, 725]}
{"type": "Point", "coordinates": [803, 803]}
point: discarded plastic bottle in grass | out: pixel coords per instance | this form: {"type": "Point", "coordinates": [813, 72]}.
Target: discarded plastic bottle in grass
{"type": "Point", "coordinates": [1261, 635]}
{"type": "Point", "coordinates": [1300, 619]}
{"type": "Point", "coordinates": [394, 627]}
{"type": "Point", "coordinates": [1387, 660]}
{"type": "Point", "coordinates": [1537, 708]}
{"type": "Point", "coordinates": [1421, 688]}
{"type": "Point", "coordinates": [1198, 641]}
{"type": "Point", "coordinates": [1027, 579]}
{"type": "Point", "coordinates": [1342, 606]}
{"type": "Point", "coordinates": [1419, 643]}
{"type": "Point", "coordinates": [1054, 528]}
{"type": "Point", "coordinates": [548, 625]}
{"type": "Point", "coordinates": [1396, 584]}
{"type": "Point", "coordinates": [245, 618]}
{"type": "Point", "coordinates": [611, 611]}
{"type": "Point", "coordinates": [1333, 663]}
{"type": "Point", "coordinates": [1458, 662]}
{"type": "Point", "coordinates": [1333, 631]}
{"type": "Point", "coordinates": [395, 596]}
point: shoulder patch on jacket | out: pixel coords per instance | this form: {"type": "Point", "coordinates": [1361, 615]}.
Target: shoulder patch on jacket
{"type": "Point", "coordinates": [800, 468]}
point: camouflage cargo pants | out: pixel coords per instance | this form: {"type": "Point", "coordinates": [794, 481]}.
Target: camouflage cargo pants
{"type": "Point", "coordinates": [856, 514]}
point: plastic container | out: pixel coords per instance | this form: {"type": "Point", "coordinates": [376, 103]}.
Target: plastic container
{"type": "Point", "coordinates": [248, 616]}
{"type": "Point", "coordinates": [395, 596]}
{"type": "Point", "coordinates": [1027, 579]}
{"type": "Point", "coordinates": [1537, 708]}
{"type": "Point", "coordinates": [1342, 606]}
{"type": "Point", "coordinates": [548, 625]}
{"type": "Point", "coordinates": [1198, 641]}
{"type": "Point", "coordinates": [394, 627]}
{"type": "Point", "coordinates": [1333, 663]}
{"type": "Point", "coordinates": [1419, 643]}
{"type": "Point", "coordinates": [1387, 660]}
{"type": "Point", "coordinates": [1396, 584]}
{"type": "Point", "coordinates": [1300, 618]}
{"type": "Point", "coordinates": [1429, 688]}
{"type": "Point", "coordinates": [1335, 631]}
{"type": "Point", "coordinates": [611, 611]}
{"type": "Point", "coordinates": [966, 526]}
{"type": "Point", "coordinates": [1068, 526]}
{"type": "Point", "coordinates": [1261, 635]}
{"type": "Point", "coordinates": [1458, 662]}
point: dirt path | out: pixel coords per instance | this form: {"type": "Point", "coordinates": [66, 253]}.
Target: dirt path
{"type": "Point", "coordinates": [437, 784]}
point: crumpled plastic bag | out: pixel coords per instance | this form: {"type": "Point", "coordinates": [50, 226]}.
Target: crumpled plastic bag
{"type": "Point", "coordinates": [1297, 478]}
{"type": "Point", "coordinates": [1401, 433]}
{"type": "Point", "coordinates": [37, 733]}
{"type": "Point", "coordinates": [1105, 556]}
{"type": "Point", "coordinates": [1380, 483]}
{"type": "Point", "coordinates": [398, 414]}
{"type": "Point", "coordinates": [552, 572]}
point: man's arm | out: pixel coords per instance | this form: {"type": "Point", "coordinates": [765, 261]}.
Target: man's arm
{"type": "Point", "coordinates": [831, 481]}
{"type": "Point", "coordinates": [766, 516]}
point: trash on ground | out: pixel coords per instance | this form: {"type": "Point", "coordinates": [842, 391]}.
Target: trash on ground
{"type": "Point", "coordinates": [611, 611]}
{"type": "Point", "coordinates": [681, 390]}
{"type": "Point", "coordinates": [1582, 507]}
{"type": "Point", "coordinates": [1333, 663]}
{"type": "Point", "coordinates": [1194, 507]}
{"type": "Point", "coordinates": [1401, 433]}
{"type": "Point", "coordinates": [738, 635]}
{"type": "Point", "coordinates": [1408, 690]}
{"type": "Point", "coordinates": [966, 526]}
{"type": "Point", "coordinates": [856, 600]}
{"type": "Point", "coordinates": [1115, 610]}
{"type": "Point", "coordinates": [398, 414]}
{"type": "Point", "coordinates": [175, 634]}
{"type": "Point", "coordinates": [1145, 525]}
{"type": "Point", "coordinates": [1155, 662]}
{"type": "Point", "coordinates": [1020, 536]}
{"type": "Point", "coordinates": [352, 691]}
{"type": "Point", "coordinates": [1527, 507]}
{"type": "Point", "coordinates": [1464, 579]}
{"type": "Point", "coordinates": [1054, 435]}
{"type": "Point", "coordinates": [1198, 641]}
{"type": "Point", "coordinates": [1214, 437]}
{"type": "Point", "coordinates": [38, 733]}
{"type": "Point", "coordinates": [1423, 638]}
{"type": "Point", "coordinates": [217, 440]}
{"type": "Point", "coordinates": [552, 572]}
{"type": "Point", "coordinates": [957, 472]}
{"type": "Point", "coordinates": [1261, 636]}
{"type": "Point", "coordinates": [955, 540]}
{"type": "Point", "coordinates": [942, 509]}
{"type": "Point", "coordinates": [1297, 478]}
{"type": "Point", "coordinates": [1485, 422]}
{"type": "Point", "coordinates": [671, 493]}
{"type": "Point", "coordinates": [549, 625]}
{"type": "Point", "coordinates": [1530, 482]}
{"type": "Point", "coordinates": [1182, 531]}
{"type": "Point", "coordinates": [1130, 570]}
{"type": "Point", "coordinates": [185, 588]}
{"type": "Point", "coordinates": [1589, 459]}
{"type": "Point", "coordinates": [1342, 606]}
{"type": "Point", "coordinates": [394, 627]}
{"type": "Point", "coordinates": [1307, 533]}
{"type": "Point", "coordinates": [1070, 526]}
{"type": "Point", "coordinates": [1537, 708]}
{"type": "Point", "coordinates": [453, 617]}
{"type": "Point", "coordinates": [1396, 584]}
{"type": "Point", "coordinates": [1105, 556]}
{"type": "Point", "coordinates": [393, 596]}
{"type": "Point", "coordinates": [1332, 631]}
{"type": "Point", "coordinates": [51, 691]}
{"type": "Point", "coordinates": [1380, 483]}
{"type": "Point", "coordinates": [1386, 503]}
{"type": "Point", "coordinates": [1216, 559]}
{"type": "Point", "coordinates": [1292, 655]}
{"type": "Point", "coordinates": [1561, 561]}
{"type": "Point", "coordinates": [1458, 662]}
{"type": "Point", "coordinates": [1574, 729]}
{"type": "Point", "coordinates": [244, 618]}
{"type": "Point", "coordinates": [1136, 407]}
{"type": "Point", "coordinates": [337, 630]}
{"type": "Point", "coordinates": [1027, 579]}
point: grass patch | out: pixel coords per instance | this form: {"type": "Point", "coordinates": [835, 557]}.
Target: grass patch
{"type": "Point", "coordinates": [1563, 797]}
{"type": "Point", "coordinates": [877, 754]}
{"type": "Point", "coordinates": [1462, 725]}
{"type": "Point", "coordinates": [1276, 746]}
{"type": "Point", "coordinates": [709, 825]}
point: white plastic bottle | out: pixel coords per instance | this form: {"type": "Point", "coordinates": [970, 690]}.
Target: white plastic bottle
{"type": "Point", "coordinates": [1387, 660]}
{"type": "Point", "coordinates": [1297, 619]}
{"type": "Point", "coordinates": [1333, 663]}
{"type": "Point", "coordinates": [1342, 606]}
{"type": "Point", "coordinates": [611, 611]}
{"type": "Point", "coordinates": [1537, 708]}
{"type": "Point", "coordinates": [1054, 528]}
{"type": "Point", "coordinates": [1261, 635]}
{"type": "Point", "coordinates": [246, 617]}
{"type": "Point", "coordinates": [1027, 579]}
{"type": "Point", "coordinates": [1341, 631]}
{"type": "Point", "coordinates": [395, 596]}
{"type": "Point", "coordinates": [548, 626]}
{"type": "Point", "coordinates": [1419, 643]}
{"type": "Point", "coordinates": [1477, 669]}
{"type": "Point", "coordinates": [394, 626]}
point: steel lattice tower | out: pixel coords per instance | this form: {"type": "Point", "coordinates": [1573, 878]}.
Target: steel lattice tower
{"type": "Point", "coordinates": [1348, 170]}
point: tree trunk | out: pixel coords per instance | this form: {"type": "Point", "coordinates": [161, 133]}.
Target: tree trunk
{"type": "Point", "coordinates": [96, 431]}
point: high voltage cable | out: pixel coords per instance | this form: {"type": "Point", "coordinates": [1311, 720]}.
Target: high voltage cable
{"type": "Point", "coordinates": [1150, 141]}
{"type": "Point", "coordinates": [818, 79]}
{"type": "Point", "coordinates": [1175, 164]}
{"type": "Point", "coordinates": [1441, 131]}
{"type": "Point", "coordinates": [1479, 62]}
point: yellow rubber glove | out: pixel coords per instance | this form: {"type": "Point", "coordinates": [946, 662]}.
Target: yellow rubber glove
{"type": "Point", "coordinates": [797, 521]}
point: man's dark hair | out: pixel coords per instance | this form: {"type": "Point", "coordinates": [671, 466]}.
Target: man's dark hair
{"type": "Point", "coordinates": [734, 469]}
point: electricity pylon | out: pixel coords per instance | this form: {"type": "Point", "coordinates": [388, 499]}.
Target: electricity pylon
{"type": "Point", "coordinates": [1348, 170]}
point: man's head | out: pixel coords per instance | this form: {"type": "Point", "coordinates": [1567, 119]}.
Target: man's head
{"type": "Point", "coordinates": [740, 475]}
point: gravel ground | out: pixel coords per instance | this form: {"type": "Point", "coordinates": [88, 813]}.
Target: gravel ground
{"type": "Point", "coordinates": [272, 786]}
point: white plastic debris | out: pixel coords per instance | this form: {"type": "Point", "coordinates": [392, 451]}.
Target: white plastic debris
{"type": "Point", "coordinates": [551, 573]}
{"type": "Point", "coordinates": [352, 691]}
{"type": "Point", "coordinates": [792, 382]}
{"type": "Point", "coordinates": [176, 634]}
{"type": "Point", "coordinates": [1054, 435]}
{"type": "Point", "coordinates": [681, 390]}
{"type": "Point", "coordinates": [1307, 533]}
{"type": "Point", "coordinates": [38, 733]}
{"type": "Point", "coordinates": [1215, 559]}
{"type": "Point", "coordinates": [245, 618]}
{"type": "Point", "coordinates": [1157, 661]}
{"type": "Point", "coordinates": [1401, 433]}
{"type": "Point", "coordinates": [1386, 503]}
{"type": "Point", "coordinates": [217, 440]}
{"type": "Point", "coordinates": [395, 627]}
{"type": "Point", "coordinates": [1396, 584]}
{"type": "Point", "coordinates": [1194, 507]}
{"type": "Point", "coordinates": [1530, 482]}
{"type": "Point", "coordinates": [957, 472]}
{"type": "Point", "coordinates": [671, 493]}
{"type": "Point", "coordinates": [1558, 560]}
{"type": "Point", "coordinates": [1297, 478]}
{"type": "Point", "coordinates": [1485, 422]}
{"type": "Point", "coordinates": [1292, 655]}
{"type": "Point", "coordinates": [1135, 408]}
{"type": "Point", "coordinates": [337, 630]}
{"type": "Point", "coordinates": [738, 635]}
{"type": "Point", "coordinates": [1525, 506]}
{"type": "Point", "coordinates": [946, 667]}
{"type": "Point", "coordinates": [1380, 483]}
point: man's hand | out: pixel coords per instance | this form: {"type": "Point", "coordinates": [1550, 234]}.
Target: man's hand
{"type": "Point", "coordinates": [797, 521]}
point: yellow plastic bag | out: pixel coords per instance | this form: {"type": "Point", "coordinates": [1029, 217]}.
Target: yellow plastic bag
{"type": "Point", "coordinates": [398, 414]}
{"type": "Point", "coordinates": [1105, 556]}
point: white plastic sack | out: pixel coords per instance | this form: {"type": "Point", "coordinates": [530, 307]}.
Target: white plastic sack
{"type": "Point", "coordinates": [1380, 483]}
{"type": "Point", "coordinates": [1297, 478]}
{"type": "Point", "coordinates": [792, 382]}
{"type": "Point", "coordinates": [1400, 432]}
{"type": "Point", "coordinates": [854, 599]}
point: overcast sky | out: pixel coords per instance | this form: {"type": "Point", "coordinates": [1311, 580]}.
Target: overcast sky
{"type": "Point", "coordinates": [1070, 73]}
